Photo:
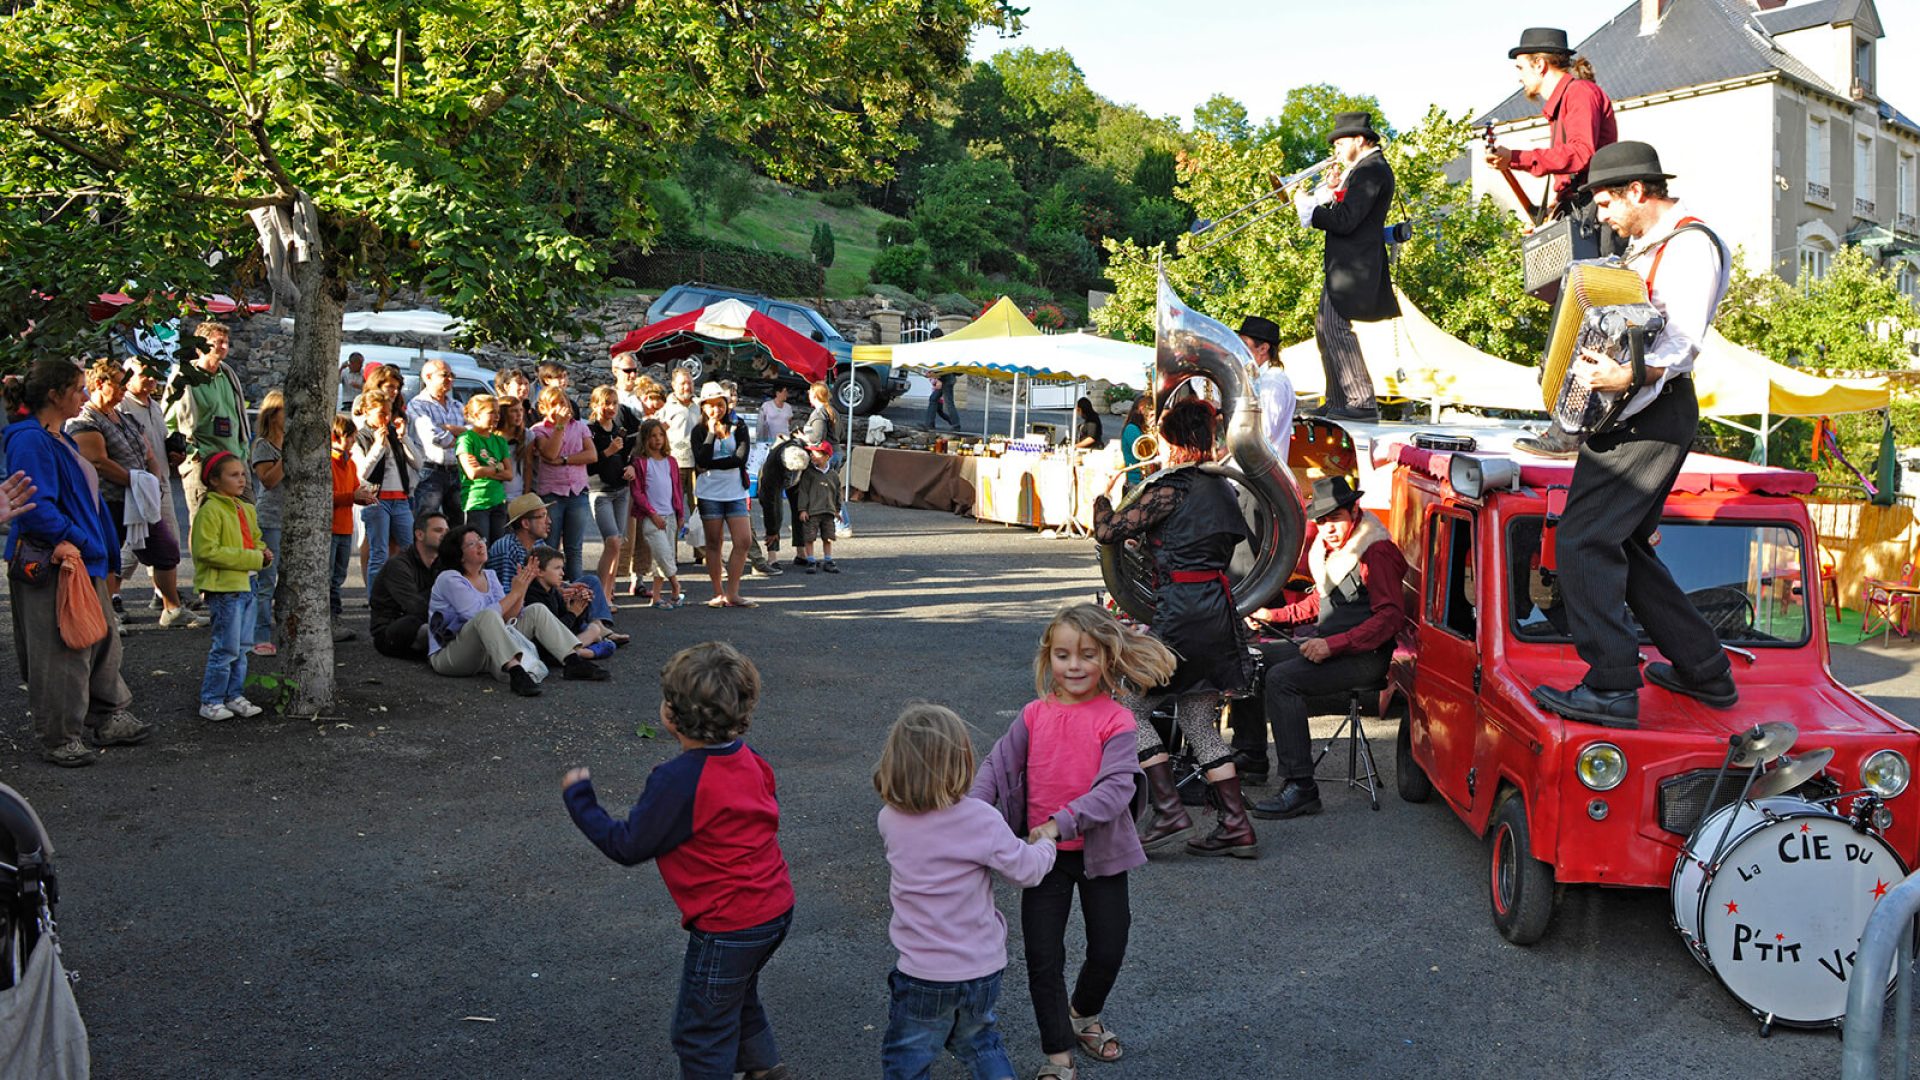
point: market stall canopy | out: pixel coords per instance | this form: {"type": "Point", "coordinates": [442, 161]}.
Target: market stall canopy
{"type": "Point", "coordinates": [1047, 357]}
{"type": "Point", "coordinates": [422, 322]}
{"type": "Point", "coordinates": [1002, 320]}
{"type": "Point", "coordinates": [1410, 357]}
{"type": "Point", "coordinates": [1733, 380]}
{"type": "Point", "coordinates": [729, 324]}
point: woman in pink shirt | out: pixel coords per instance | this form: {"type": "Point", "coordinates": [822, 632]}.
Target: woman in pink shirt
{"type": "Point", "coordinates": [1068, 770]}
{"type": "Point", "coordinates": [562, 450]}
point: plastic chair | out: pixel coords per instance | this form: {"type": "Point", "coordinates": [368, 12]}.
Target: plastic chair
{"type": "Point", "coordinates": [1889, 602]}
{"type": "Point", "coordinates": [1830, 584]}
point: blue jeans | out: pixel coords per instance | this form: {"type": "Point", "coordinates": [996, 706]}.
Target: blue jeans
{"type": "Point", "coordinates": [719, 1027]}
{"type": "Point", "coordinates": [438, 489]}
{"type": "Point", "coordinates": [927, 1017]}
{"type": "Point", "coordinates": [342, 557]}
{"type": "Point", "coordinates": [939, 404]}
{"type": "Point", "coordinates": [572, 521]}
{"type": "Point", "coordinates": [265, 582]}
{"type": "Point", "coordinates": [226, 677]}
{"type": "Point", "coordinates": [388, 521]}
{"type": "Point", "coordinates": [597, 608]}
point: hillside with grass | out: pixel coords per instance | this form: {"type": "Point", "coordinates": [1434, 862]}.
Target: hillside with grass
{"type": "Point", "coordinates": [781, 219]}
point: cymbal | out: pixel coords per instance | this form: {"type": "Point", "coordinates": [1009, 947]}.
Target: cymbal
{"type": "Point", "coordinates": [1776, 737]}
{"type": "Point", "coordinates": [1792, 774]}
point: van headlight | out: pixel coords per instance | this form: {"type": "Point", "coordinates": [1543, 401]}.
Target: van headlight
{"type": "Point", "coordinates": [1885, 773]}
{"type": "Point", "coordinates": [1602, 766]}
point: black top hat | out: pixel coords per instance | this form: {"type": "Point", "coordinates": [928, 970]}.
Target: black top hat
{"type": "Point", "coordinates": [1622, 163]}
{"type": "Point", "coordinates": [1353, 123]}
{"type": "Point", "coordinates": [1331, 493]}
{"type": "Point", "coordinates": [1260, 329]}
{"type": "Point", "coordinates": [1541, 39]}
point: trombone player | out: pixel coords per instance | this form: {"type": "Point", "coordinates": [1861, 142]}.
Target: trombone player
{"type": "Point", "coordinates": [1358, 286]}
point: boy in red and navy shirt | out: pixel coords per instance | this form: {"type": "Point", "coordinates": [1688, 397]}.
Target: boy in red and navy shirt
{"type": "Point", "coordinates": [709, 818]}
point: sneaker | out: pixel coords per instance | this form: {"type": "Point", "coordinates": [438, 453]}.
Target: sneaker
{"type": "Point", "coordinates": [829, 567]}
{"type": "Point", "coordinates": [120, 626]}
{"type": "Point", "coordinates": [180, 617]}
{"type": "Point", "coordinates": [243, 708]}
{"type": "Point", "coordinates": [799, 561]}
{"type": "Point", "coordinates": [119, 605]}
{"type": "Point", "coordinates": [71, 754]}
{"type": "Point", "coordinates": [812, 567]}
{"type": "Point", "coordinates": [522, 682]}
{"type": "Point", "coordinates": [122, 728]}
{"type": "Point", "coordinates": [580, 668]}
{"type": "Point", "coordinates": [215, 711]}
{"type": "Point", "coordinates": [341, 633]}
{"type": "Point", "coordinates": [770, 569]}
{"type": "Point", "coordinates": [266, 648]}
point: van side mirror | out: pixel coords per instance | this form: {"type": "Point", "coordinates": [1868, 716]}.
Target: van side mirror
{"type": "Point", "coordinates": [818, 336]}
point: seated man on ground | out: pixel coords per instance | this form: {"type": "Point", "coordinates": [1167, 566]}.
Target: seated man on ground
{"type": "Point", "coordinates": [1350, 621]}
{"type": "Point", "coordinates": [529, 522]}
{"type": "Point", "coordinates": [397, 603]}
{"type": "Point", "coordinates": [468, 615]}
{"type": "Point", "coordinates": [567, 602]}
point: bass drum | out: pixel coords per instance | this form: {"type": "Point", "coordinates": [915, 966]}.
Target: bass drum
{"type": "Point", "coordinates": [1778, 917]}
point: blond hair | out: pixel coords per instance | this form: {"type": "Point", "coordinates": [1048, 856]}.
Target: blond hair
{"type": "Point", "coordinates": [603, 395]}
{"type": "Point", "coordinates": [272, 423]}
{"type": "Point", "coordinates": [479, 403]}
{"type": "Point", "coordinates": [552, 398]}
{"type": "Point", "coordinates": [927, 763]}
{"type": "Point", "coordinates": [820, 394]}
{"type": "Point", "coordinates": [712, 688]}
{"type": "Point", "coordinates": [104, 371]}
{"type": "Point", "coordinates": [212, 328]}
{"type": "Point", "coordinates": [1139, 659]}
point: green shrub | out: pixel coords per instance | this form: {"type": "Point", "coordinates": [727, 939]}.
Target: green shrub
{"type": "Point", "coordinates": [679, 257]}
{"type": "Point", "coordinates": [822, 243]}
{"type": "Point", "coordinates": [953, 303]}
{"type": "Point", "coordinates": [895, 232]}
{"type": "Point", "coordinates": [839, 198]}
{"type": "Point", "coordinates": [901, 299]}
{"type": "Point", "coordinates": [903, 266]}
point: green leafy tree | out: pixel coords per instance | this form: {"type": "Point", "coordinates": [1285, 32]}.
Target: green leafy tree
{"type": "Point", "coordinates": [398, 145]}
{"type": "Point", "coordinates": [1302, 126]}
{"type": "Point", "coordinates": [1066, 260]}
{"type": "Point", "coordinates": [903, 266]}
{"type": "Point", "coordinates": [1224, 118]}
{"type": "Point", "coordinates": [1154, 177]}
{"type": "Point", "coordinates": [822, 244]}
{"type": "Point", "coordinates": [968, 212]}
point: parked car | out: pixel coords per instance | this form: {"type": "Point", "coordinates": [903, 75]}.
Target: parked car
{"type": "Point", "coordinates": [860, 393]}
{"type": "Point", "coordinates": [469, 378]}
{"type": "Point", "coordinates": [1562, 802]}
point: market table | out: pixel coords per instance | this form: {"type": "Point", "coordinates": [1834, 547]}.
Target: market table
{"type": "Point", "coordinates": [917, 479]}
{"type": "Point", "coordinates": [1014, 489]}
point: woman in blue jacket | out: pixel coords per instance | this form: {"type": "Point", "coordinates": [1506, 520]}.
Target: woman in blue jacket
{"type": "Point", "coordinates": [70, 691]}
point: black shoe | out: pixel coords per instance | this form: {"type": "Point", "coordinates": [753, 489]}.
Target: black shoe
{"type": "Point", "coordinates": [829, 567]}
{"type": "Point", "coordinates": [1719, 693]}
{"type": "Point", "coordinates": [799, 561]}
{"type": "Point", "coordinates": [1253, 770]}
{"type": "Point", "coordinates": [1608, 708]}
{"type": "Point", "coordinates": [1343, 412]}
{"type": "Point", "coordinates": [119, 605]}
{"type": "Point", "coordinates": [341, 633]}
{"type": "Point", "coordinates": [522, 682]}
{"type": "Point", "coordinates": [1553, 444]}
{"type": "Point", "coordinates": [1295, 800]}
{"type": "Point", "coordinates": [581, 669]}
{"type": "Point", "coordinates": [812, 567]}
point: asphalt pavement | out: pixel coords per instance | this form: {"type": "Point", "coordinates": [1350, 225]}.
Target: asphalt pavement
{"type": "Point", "coordinates": [395, 889]}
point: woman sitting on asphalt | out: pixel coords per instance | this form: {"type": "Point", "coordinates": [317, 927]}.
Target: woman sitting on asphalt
{"type": "Point", "coordinates": [468, 613]}
{"type": "Point", "coordinates": [720, 450]}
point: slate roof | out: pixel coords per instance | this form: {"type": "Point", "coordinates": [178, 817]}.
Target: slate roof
{"type": "Point", "coordinates": [1698, 42]}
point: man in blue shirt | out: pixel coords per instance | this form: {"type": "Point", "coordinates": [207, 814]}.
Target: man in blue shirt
{"type": "Point", "coordinates": [529, 521]}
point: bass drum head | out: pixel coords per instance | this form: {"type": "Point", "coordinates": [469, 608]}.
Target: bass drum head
{"type": "Point", "coordinates": [1690, 872]}
{"type": "Point", "coordinates": [1782, 917]}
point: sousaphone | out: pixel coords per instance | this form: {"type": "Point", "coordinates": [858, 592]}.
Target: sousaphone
{"type": "Point", "coordinates": [1189, 345]}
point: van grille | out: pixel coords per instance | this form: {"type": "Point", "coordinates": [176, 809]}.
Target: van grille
{"type": "Point", "coordinates": [1683, 799]}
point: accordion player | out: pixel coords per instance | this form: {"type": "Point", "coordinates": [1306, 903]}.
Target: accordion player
{"type": "Point", "coordinates": [1603, 307]}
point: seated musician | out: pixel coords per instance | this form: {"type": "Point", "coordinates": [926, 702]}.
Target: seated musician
{"type": "Point", "coordinates": [1349, 621]}
{"type": "Point", "coordinates": [1623, 476]}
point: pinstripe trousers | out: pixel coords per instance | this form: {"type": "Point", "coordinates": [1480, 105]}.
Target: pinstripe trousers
{"type": "Point", "coordinates": [1348, 384]}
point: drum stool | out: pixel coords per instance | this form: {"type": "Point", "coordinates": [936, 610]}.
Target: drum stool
{"type": "Point", "coordinates": [1359, 747]}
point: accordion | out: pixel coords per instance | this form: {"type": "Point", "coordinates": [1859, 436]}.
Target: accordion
{"type": "Point", "coordinates": [1546, 253]}
{"type": "Point", "coordinates": [1602, 307]}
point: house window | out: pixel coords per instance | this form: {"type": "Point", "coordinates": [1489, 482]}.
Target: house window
{"type": "Point", "coordinates": [1814, 255]}
{"type": "Point", "coordinates": [1863, 176]}
{"type": "Point", "coordinates": [1903, 196]}
{"type": "Point", "coordinates": [1818, 155]}
{"type": "Point", "coordinates": [1909, 282]}
{"type": "Point", "coordinates": [1863, 64]}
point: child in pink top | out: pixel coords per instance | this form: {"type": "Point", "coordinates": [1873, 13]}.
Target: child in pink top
{"type": "Point", "coordinates": [943, 848]}
{"type": "Point", "coordinates": [1069, 770]}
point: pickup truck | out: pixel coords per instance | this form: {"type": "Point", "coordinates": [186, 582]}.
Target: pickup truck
{"type": "Point", "coordinates": [1561, 802]}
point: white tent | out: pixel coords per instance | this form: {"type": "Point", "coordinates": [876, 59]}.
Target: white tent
{"type": "Point", "coordinates": [429, 323]}
{"type": "Point", "coordinates": [1050, 357]}
{"type": "Point", "coordinates": [1410, 357]}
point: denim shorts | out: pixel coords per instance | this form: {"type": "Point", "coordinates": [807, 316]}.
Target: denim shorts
{"type": "Point", "coordinates": [715, 509]}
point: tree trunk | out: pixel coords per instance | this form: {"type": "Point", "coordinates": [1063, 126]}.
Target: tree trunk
{"type": "Point", "coordinates": [313, 377]}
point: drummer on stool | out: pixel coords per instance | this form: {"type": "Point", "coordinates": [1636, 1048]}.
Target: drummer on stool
{"type": "Point", "coordinates": [1351, 619]}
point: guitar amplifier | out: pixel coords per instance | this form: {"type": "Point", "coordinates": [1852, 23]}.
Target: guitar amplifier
{"type": "Point", "coordinates": [1550, 249]}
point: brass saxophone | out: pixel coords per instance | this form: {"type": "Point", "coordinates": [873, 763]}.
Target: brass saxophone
{"type": "Point", "coordinates": [1187, 345]}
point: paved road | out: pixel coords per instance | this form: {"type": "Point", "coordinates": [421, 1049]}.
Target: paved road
{"type": "Point", "coordinates": [344, 898]}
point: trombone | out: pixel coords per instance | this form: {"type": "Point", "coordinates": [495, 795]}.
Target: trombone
{"type": "Point", "coordinates": [1280, 189]}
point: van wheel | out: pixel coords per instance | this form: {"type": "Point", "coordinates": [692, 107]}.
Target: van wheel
{"type": "Point", "coordinates": [1408, 777]}
{"type": "Point", "coordinates": [859, 395]}
{"type": "Point", "coordinates": [1520, 886]}
{"type": "Point", "coordinates": [696, 366]}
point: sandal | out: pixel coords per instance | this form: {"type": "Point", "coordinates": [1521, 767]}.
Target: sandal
{"type": "Point", "coordinates": [717, 602]}
{"type": "Point", "coordinates": [741, 603]}
{"type": "Point", "coordinates": [1100, 1045]}
{"type": "Point", "coordinates": [1051, 1071]}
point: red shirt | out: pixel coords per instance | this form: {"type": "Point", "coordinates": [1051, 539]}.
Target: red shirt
{"type": "Point", "coordinates": [1382, 570]}
{"type": "Point", "coordinates": [1581, 118]}
{"type": "Point", "coordinates": [1064, 744]}
{"type": "Point", "coordinates": [346, 479]}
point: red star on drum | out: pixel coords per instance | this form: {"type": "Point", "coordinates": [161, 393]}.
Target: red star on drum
{"type": "Point", "coordinates": [1733, 908]}
{"type": "Point", "coordinates": [1879, 888]}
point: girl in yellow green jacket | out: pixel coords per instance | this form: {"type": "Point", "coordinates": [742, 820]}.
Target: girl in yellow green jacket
{"type": "Point", "coordinates": [227, 549]}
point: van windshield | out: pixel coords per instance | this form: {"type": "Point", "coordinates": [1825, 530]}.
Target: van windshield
{"type": "Point", "coordinates": [1745, 579]}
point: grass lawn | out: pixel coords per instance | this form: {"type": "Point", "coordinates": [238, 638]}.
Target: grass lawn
{"type": "Point", "coordinates": [782, 218]}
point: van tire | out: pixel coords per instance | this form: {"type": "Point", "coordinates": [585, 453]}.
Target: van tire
{"type": "Point", "coordinates": [1520, 887]}
{"type": "Point", "coordinates": [858, 395]}
{"type": "Point", "coordinates": [1408, 778]}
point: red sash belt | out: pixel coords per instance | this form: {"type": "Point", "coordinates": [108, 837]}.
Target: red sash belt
{"type": "Point", "coordinates": [1201, 577]}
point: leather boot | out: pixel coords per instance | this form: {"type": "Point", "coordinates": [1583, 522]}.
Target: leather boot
{"type": "Point", "coordinates": [1234, 834]}
{"type": "Point", "coordinates": [1170, 822]}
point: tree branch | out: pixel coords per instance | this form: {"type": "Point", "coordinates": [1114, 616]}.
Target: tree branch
{"type": "Point", "coordinates": [538, 60]}
{"type": "Point", "coordinates": [97, 159]}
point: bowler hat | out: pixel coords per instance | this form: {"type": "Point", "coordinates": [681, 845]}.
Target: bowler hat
{"type": "Point", "coordinates": [1353, 123]}
{"type": "Point", "coordinates": [1541, 39]}
{"type": "Point", "coordinates": [1260, 329]}
{"type": "Point", "coordinates": [1331, 493]}
{"type": "Point", "coordinates": [1622, 163]}
{"type": "Point", "coordinates": [522, 505]}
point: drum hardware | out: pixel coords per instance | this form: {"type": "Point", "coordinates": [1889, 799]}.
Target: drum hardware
{"type": "Point", "coordinates": [1763, 744]}
{"type": "Point", "coordinates": [1453, 444]}
{"type": "Point", "coordinates": [1745, 654]}
{"type": "Point", "coordinates": [1792, 772]}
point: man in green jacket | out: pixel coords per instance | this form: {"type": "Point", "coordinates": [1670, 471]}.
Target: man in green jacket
{"type": "Point", "coordinates": [209, 409]}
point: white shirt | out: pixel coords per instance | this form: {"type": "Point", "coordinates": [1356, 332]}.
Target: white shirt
{"type": "Point", "coordinates": [679, 420]}
{"type": "Point", "coordinates": [1275, 391]}
{"type": "Point", "coordinates": [775, 420]}
{"type": "Point", "coordinates": [1692, 280]}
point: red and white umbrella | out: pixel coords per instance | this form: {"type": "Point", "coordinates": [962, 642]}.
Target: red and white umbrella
{"type": "Point", "coordinates": [104, 307]}
{"type": "Point", "coordinates": [730, 324]}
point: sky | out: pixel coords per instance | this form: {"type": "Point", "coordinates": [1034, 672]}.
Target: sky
{"type": "Point", "coordinates": [1167, 58]}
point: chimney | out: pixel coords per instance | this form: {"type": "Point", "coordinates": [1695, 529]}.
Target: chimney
{"type": "Point", "coordinates": [1650, 13]}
